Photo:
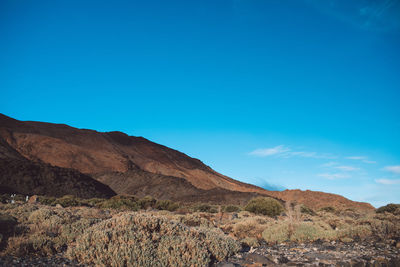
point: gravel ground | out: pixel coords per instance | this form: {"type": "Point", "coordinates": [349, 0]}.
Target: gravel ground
{"type": "Point", "coordinates": [56, 260]}
{"type": "Point", "coordinates": [319, 254]}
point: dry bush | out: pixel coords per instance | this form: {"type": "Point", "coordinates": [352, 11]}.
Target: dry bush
{"type": "Point", "coordinates": [133, 239]}
{"type": "Point", "coordinates": [92, 213]}
{"type": "Point", "coordinates": [244, 214]}
{"type": "Point", "coordinates": [249, 227]}
{"type": "Point", "coordinates": [19, 211]}
{"type": "Point", "coordinates": [390, 208]}
{"type": "Point", "coordinates": [33, 244]}
{"type": "Point", "coordinates": [250, 242]}
{"type": "Point", "coordinates": [355, 231]}
{"type": "Point", "coordinates": [193, 220]}
{"type": "Point", "coordinates": [69, 232]}
{"type": "Point", "coordinates": [385, 225]}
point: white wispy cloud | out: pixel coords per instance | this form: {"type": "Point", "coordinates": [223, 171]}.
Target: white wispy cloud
{"type": "Point", "coordinates": [264, 152]}
{"type": "Point", "coordinates": [387, 181]}
{"type": "Point", "coordinates": [347, 168]}
{"type": "Point", "coordinates": [329, 164]}
{"type": "Point", "coordinates": [283, 151]}
{"type": "Point", "coordinates": [333, 176]}
{"type": "Point", "coordinates": [392, 169]}
{"type": "Point", "coordinates": [361, 158]}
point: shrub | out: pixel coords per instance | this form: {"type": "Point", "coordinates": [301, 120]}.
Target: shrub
{"type": "Point", "coordinates": [194, 220]}
{"type": "Point", "coordinates": [264, 205]}
{"type": "Point", "coordinates": [204, 208]}
{"type": "Point", "coordinates": [328, 209]}
{"type": "Point", "coordinates": [307, 210]}
{"type": "Point", "coordinates": [143, 240]}
{"type": "Point", "coordinates": [46, 200]}
{"type": "Point", "coordinates": [7, 224]}
{"type": "Point", "coordinates": [35, 244]}
{"type": "Point", "coordinates": [355, 231]}
{"type": "Point", "coordinates": [120, 203]}
{"type": "Point", "coordinates": [249, 227]}
{"type": "Point", "coordinates": [232, 208]}
{"type": "Point", "coordinates": [93, 202]}
{"type": "Point", "coordinates": [70, 231]}
{"type": "Point", "coordinates": [166, 205]}
{"type": "Point", "coordinates": [147, 202]}
{"type": "Point", "coordinates": [276, 233]}
{"type": "Point", "coordinates": [301, 232]}
{"type": "Point", "coordinates": [68, 201]}
{"type": "Point", "coordinates": [4, 198]}
{"type": "Point", "coordinates": [391, 208]}
{"type": "Point", "coordinates": [250, 242]}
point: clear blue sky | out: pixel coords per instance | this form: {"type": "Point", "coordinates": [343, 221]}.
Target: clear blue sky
{"type": "Point", "coordinates": [284, 94]}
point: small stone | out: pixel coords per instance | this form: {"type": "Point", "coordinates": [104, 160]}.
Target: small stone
{"type": "Point", "coordinates": [33, 199]}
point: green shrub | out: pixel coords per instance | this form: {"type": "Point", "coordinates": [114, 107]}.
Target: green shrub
{"type": "Point", "coordinates": [166, 205]}
{"type": "Point", "coordinates": [134, 239]}
{"type": "Point", "coordinates": [45, 200]}
{"type": "Point", "coordinates": [147, 202]}
{"type": "Point", "coordinates": [120, 203]}
{"type": "Point", "coordinates": [391, 208]}
{"type": "Point", "coordinates": [276, 233]}
{"type": "Point", "coordinates": [202, 207]}
{"type": "Point", "coordinates": [328, 209]}
{"type": "Point", "coordinates": [232, 208]}
{"type": "Point", "coordinates": [307, 210]}
{"type": "Point", "coordinates": [7, 228]}
{"type": "Point", "coordinates": [4, 198]}
{"type": "Point", "coordinates": [92, 202]}
{"type": "Point", "coordinates": [265, 206]}
{"type": "Point", "coordinates": [68, 201]}
{"type": "Point", "coordinates": [299, 232]}
{"type": "Point", "coordinates": [355, 231]}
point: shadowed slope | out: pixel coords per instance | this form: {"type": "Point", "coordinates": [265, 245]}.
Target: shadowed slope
{"type": "Point", "coordinates": [19, 175]}
{"type": "Point", "coordinates": [140, 183]}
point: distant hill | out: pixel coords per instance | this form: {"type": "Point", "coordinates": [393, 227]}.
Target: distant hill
{"type": "Point", "coordinates": [134, 165]}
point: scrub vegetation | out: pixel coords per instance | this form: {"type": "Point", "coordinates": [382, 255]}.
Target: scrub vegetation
{"type": "Point", "coordinates": [125, 230]}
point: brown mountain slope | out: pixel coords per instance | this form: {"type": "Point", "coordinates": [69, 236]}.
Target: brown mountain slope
{"type": "Point", "coordinates": [92, 153]}
{"type": "Point", "coordinates": [19, 175]}
{"type": "Point", "coordinates": [141, 183]}
{"type": "Point", "coordinates": [317, 200]}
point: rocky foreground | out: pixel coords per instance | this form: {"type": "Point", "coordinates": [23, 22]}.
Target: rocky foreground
{"type": "Point", "coordinates": [319, 253]}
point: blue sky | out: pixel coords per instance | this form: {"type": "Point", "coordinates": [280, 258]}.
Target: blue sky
{"type": "Point", "coordinates": [284, 94]}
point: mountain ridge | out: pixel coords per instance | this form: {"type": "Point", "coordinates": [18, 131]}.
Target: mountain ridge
{"type": "Point", "coordinates": [93, 153]}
